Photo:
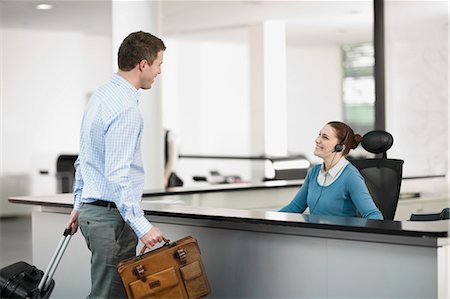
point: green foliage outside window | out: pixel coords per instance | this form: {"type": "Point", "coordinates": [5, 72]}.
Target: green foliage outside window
{"type": "Point", "coordinates": [359, 86]}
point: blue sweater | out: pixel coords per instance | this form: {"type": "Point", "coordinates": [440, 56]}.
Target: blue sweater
{"type": "Point", "coordinates": [346, 196]}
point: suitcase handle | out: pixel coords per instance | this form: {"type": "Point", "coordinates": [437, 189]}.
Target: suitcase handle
{"type": "Point", "coordinates": [166, 243]}
{"type": "Point", "coordinates": [54, 262]}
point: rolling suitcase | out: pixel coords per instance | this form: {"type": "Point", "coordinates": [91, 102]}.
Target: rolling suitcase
{"type": "Point", "coordinates": [173, 271]}
{"type": "Point", "coordinates": [22, 280]}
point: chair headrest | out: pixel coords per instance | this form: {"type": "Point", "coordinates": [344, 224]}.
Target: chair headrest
{"type": "Point", "coordinates": [377, 141]}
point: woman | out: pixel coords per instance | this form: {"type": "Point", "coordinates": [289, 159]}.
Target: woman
{"type": "Point", "coordinates": [335, 187]}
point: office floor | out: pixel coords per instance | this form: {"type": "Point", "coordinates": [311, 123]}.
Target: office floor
{"type": "Point", "coordinates": [15, 240]}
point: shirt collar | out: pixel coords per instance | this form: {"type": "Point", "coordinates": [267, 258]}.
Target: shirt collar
{"type": "Point", "coordinates": [336, 169]}
{"type": "Point", "coordinates": [119, 80]}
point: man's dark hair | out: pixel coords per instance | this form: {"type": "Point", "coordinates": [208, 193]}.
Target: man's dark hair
{"type": "Point", "coordinates": [138, 46]}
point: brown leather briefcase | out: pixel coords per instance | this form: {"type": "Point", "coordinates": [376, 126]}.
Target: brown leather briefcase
{"type": "Point", "coordinates": [174, 270]}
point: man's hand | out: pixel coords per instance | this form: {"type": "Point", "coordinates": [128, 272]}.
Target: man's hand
{"type": "Point", "coordinates": [73, 222]}
{"type": "Point", "coordinates": [152, 237]}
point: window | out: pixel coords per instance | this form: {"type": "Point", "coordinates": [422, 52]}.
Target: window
{"type": "Point", "coordinates": [359, 86]}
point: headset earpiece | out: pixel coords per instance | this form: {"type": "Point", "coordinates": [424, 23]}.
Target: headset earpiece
{"type": "Point", "coordinates": [338, 148]}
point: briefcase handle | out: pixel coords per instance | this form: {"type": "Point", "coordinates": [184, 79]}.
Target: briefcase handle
{"type": "Point", "coordinates": [166, 243]}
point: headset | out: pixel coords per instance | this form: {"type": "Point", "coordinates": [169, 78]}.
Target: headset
{"type": "Point", "coordinates": [340, 146]}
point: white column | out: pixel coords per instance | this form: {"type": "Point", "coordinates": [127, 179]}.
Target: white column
{"type": "Point", "coordinates": [127, 17]}
{"type": "Point", "coordinates": [268, 90]}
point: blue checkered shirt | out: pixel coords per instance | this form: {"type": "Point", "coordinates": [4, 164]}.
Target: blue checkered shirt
{"type": "Point", "coordinates": [109, 166]}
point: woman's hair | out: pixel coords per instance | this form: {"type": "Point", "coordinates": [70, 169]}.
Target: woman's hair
{"type": "Point", "coordinates": [139, 46]}
{"type": "Point", "coordinates": [345, 135]}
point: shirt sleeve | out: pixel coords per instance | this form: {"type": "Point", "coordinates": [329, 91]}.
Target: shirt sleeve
{"type": "Point", "coordinates": [361, 198]}
{"type": "Point", "coordinates": [299, 203]}
{"type": "Point", "coordinates": [77, 185]}
{"type": "Point", "coordinates": [122, 137]}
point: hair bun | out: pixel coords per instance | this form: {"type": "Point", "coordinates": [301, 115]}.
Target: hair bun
{"type": "Point", "coordinates": [357, 141]}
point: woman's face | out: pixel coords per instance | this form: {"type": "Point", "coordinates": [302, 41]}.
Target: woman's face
{"type": "Point", "coordinates": [325, 142]}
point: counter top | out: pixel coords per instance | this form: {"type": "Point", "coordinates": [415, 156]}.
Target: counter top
{"type": "Point", "coordinates": [425, 231]}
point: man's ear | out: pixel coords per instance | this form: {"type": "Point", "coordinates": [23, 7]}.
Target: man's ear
{"type": "Point", "coordinates": [142, 64]}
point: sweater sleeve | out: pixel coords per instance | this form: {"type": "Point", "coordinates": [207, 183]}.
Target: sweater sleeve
{"type": "Point", "coordinates": [361, 198]}
{"type": "Point", "coordinates": [298, 204]}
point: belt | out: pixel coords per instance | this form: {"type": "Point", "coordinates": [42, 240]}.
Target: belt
{"type": "Point", "coordinates": [103, 203]}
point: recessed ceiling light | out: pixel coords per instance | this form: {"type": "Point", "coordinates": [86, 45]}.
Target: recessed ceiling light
{"type": "Point", "coordinates": [353, 12]}
{"type": "Point", "coordinates": [44, 6]}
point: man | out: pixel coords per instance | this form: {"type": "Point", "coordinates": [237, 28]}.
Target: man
{"type": "Point", "coordinates": [109, 175]}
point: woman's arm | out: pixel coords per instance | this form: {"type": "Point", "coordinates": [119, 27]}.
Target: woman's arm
{"type": "Point", "coordinates": [298, 203]}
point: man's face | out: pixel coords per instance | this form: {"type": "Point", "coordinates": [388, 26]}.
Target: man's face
{"type": "Point", "coordinates": [149, 72]}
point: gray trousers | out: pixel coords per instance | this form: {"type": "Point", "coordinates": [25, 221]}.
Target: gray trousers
{"type": "Point", "coordinates": [110, 241]}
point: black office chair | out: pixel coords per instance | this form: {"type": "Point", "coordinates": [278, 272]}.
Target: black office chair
{"type": "Point", "coordinates": [443, 215]}
{"type": "Point", "coordinates": [65, 173]}
{"type": "Point", "coordinates": [383, 176]}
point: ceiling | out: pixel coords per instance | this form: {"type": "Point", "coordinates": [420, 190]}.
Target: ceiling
{"type": "Point", "coordinates": [91, 17]}
{"type": "Point", "coordinates": [307, 22]}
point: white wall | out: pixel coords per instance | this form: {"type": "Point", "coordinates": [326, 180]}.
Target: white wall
{"type": "Point", "coordinates": [46, 76]}
{"type": "Point", "coordinates": [42, 91]}
{"type": "Point", "coordinates": [210, 108]}
{"type": "Point", "coordinates": [211, 96]}
{"type": "Point", "coordinates": [417, 92]}
{"type": "Point", "coordinates": [97, 61]}
{"type": "Point", "coordinates": [314, 86]}
{"type": "Point", "coordinates": [206, 103]}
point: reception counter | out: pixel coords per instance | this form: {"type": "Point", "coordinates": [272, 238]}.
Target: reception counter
{"type": "Point", "coordinates": [262, 254]}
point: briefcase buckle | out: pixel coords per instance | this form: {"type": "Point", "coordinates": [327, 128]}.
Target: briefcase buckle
{"type": "Point", "coordinates": [139, 272]}
{"type": "Point", "coordinates": [181, 255]}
